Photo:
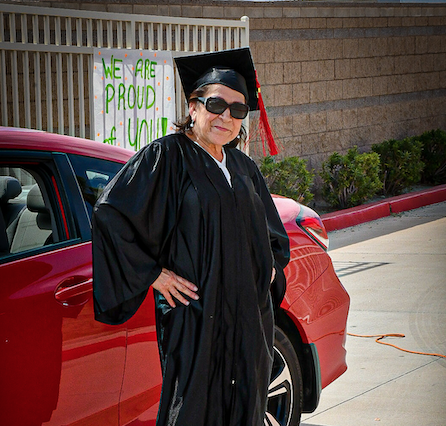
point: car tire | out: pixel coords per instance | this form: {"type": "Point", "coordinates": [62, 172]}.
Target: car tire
{"type": "Point", "coordinates": [285, 392]}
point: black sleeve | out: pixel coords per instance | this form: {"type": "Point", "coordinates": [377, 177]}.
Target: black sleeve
{"type": "Point", "coordinates": [278, 237]}
{"type": "Point", "coordinates": [131, 222]}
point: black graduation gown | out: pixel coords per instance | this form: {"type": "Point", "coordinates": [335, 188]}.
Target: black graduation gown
{"type": "Point", "coordinates": [171, 206]}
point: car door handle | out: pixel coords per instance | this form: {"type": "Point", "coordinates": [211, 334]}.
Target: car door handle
{"type": "Point", "coordinates": [74, 291]}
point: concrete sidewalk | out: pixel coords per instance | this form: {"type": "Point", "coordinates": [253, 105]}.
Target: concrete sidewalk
{"type": "Point", "coordinates": [394, 269]}
{"type": "Point", "coordinates": [379, 209]}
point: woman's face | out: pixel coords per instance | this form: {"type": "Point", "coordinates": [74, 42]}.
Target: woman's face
{"type": "Point", "coordinates": [216, 129]}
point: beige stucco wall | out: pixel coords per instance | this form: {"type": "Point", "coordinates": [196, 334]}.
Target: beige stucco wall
{"type": "Point", "coordinates": [333, 75]}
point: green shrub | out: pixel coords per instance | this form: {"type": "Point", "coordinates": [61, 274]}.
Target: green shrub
{"type": "Point", "coordinates": [351, 179]}
{"type": "Point", "coordinates": [401, 164]}
{"type": "Point", "coordinates": [433, 156]}
{"type": "Point", "coordinates": [289, 178]}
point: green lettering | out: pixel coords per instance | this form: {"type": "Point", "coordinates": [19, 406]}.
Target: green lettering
{"type": "Point", "coordinates": [130, 99]}
{"type": "Point", "coordinates": [152, 69]}
{"type": "Point", "coordinates": [115, 68]}
{"type": "Point", "coordinates": [121, 93]}
{"type": "Point", "coordinates": [140, 131]}
{"type": "Point", "coordinates": [107, 70]}
{"type": "Point", "coordinates": [112, 135]}
{"type": "Point", "coordinates": [139, 67]}
{"type": "Point", "coordinates": [109, 95]}
{"type": "Point", "coordinates": [164, 125]}
{"type": "Point", "coordinates": [135, 142]}
{"type": "Point", "coordinates": [152, 90]}
{"type": "Point", "coordinates": [146, 68]}
{"type": "Point", "coordinates": [112, 138]}
{"type": "Point", "coordinates": [139, 105]}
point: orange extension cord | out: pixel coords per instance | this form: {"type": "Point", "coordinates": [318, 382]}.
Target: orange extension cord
{"type": "Point", "coordinates": [379, 337]}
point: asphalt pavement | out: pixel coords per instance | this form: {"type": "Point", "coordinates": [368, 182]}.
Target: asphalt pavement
{"type": "Point", "coordinates": [394, 269]}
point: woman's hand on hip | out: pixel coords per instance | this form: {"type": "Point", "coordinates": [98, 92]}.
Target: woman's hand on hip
{"type": "Point", "coordinates": [170, 284]}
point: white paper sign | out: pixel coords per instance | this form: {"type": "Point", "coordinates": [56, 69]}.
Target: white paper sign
{"type": "Point", "coordinates": [134, 96]}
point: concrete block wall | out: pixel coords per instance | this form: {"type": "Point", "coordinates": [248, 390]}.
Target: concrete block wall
{"type": "Point", "coordinates": [336, 76]}
{"type": "Point", "coordinates": [333, 74]}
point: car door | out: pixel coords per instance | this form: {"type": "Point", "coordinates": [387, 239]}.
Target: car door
{"type": "Point", "coordinates": [58, 365]}
{"type": "Point", "coordinates": [141, 386]}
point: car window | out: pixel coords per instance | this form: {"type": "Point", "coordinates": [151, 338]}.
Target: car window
{"type": "Point", "coordinates": [93, 175]}
{"type": "Point", "coordinates": [27, 217]}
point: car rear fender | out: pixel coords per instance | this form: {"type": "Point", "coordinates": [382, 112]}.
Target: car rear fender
{"type": "Point", "coordinates": [308, 359]}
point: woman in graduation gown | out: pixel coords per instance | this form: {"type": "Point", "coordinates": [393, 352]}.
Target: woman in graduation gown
{"type": "Point", "coordinates": [192, 217]}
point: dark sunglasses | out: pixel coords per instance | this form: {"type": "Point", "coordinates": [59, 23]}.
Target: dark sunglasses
{"type": "Point", "coordinates": [219, 105]}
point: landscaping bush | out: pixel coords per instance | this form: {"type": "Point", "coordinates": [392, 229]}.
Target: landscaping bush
{"type": "Point", "coordinates": [289, 178]}
{"type": "Point", "coordinates": [401, 164]}
{"type": "Point", "coordinates": [351, 179]}
{"type": "Point", "coordinates": [433, 156]}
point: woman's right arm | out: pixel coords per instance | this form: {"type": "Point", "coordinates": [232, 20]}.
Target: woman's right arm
{"type": "Point", "coordinates": [131, 222]}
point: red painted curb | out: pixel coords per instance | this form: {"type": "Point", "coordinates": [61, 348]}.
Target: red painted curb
{"type": "Point", "coordinates": [372, 211]}
{"type": "Point", "coordinates": [418, 199]}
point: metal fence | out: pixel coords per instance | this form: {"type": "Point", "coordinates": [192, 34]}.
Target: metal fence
{"type": "Point", "coordinates": [46, 58]}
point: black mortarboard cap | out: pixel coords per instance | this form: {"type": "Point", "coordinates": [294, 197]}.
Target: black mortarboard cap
{"type": "Point", "coordinates": [233, 68]}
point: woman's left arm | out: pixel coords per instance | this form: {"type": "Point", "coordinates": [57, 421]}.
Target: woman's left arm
{"type": "Point", "coordinates": [278, 237]}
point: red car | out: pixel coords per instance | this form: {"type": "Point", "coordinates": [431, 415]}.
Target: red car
{"type": "Point", "coordinates": [61, 367]}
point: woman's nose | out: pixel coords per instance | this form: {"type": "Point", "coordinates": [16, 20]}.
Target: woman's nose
{"type": "Point", "coordinates": [226, 114]}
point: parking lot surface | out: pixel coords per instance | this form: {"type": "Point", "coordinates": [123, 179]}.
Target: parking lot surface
{"type": "Point", "coordinates": [395, 272]}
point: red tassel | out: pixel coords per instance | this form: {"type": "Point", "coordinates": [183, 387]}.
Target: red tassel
{"type": "Point", "coordinates": [266, 133]}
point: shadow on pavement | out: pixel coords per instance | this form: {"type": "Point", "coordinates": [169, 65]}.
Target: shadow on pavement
{"type": "Point", "coordinates": [348, 268]}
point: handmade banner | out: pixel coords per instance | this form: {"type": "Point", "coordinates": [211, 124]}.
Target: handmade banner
{"type": "Point", "coordinates": [134, 96]}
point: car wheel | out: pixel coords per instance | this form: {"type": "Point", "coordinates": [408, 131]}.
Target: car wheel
{"type": "Point", "coordinates": [285, 392]}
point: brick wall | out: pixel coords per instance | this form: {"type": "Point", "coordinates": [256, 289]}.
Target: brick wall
{"type": "Point", "coordinates": [333, 75]}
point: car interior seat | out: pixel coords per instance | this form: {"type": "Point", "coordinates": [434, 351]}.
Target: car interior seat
{"type": "Point", "coordinates": [10, 188]}
{"type": "Point", "coordinates": [34, 225]}
{"type": "Point", "coordinates": [4, 245]}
